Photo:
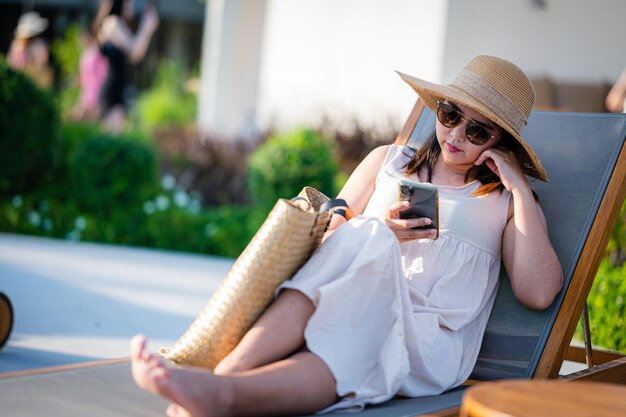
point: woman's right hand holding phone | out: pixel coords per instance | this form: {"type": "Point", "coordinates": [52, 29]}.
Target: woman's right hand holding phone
{"type": "Point", "coordinates": [403, 228]}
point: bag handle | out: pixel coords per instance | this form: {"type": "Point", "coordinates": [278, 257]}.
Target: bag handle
{"type": "Point", "coordinates": [300, 198]}
{"type": "Point", "coordinates": [331, 205]}
{"type": "Point", "coordinates": [343, 210]}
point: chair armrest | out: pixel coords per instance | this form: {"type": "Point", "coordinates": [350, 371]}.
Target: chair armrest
{"type": "Point", "coordinates": [577, 354]}
{"type": "Point", "coordinates": [613, 371]}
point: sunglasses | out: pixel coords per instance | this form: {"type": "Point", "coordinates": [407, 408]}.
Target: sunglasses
{"type": "Point", "coordinates": [450, 116]}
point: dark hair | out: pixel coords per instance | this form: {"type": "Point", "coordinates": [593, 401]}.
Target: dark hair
{"type": "Point", "coordinates": [429, 152]}
{"type": "Point", "coordinates": [117, 7]}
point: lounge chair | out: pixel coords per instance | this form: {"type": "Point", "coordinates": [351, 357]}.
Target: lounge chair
{"type": "Point", "coordinates": [585, 157]}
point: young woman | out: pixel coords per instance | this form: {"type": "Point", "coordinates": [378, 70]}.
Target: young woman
{"type": "Point", "coordinates": [382, 308]}
{"type": "Point", "coordinates": [121, 47]}
{"type": "Point", "coordinates": [29, 51]}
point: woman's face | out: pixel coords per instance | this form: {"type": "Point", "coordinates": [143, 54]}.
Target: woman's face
{"type": "Point", "coordinates": [456, 149]}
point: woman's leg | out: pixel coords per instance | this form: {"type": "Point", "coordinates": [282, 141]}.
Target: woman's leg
{"type": "Point", "coordinates": [276, 334]}
{"type": "Point", "coordinates": [299, 384]}
{"type": "Point", "coordinates": [115, 119]}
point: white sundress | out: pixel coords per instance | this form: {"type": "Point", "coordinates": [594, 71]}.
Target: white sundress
{"type": "Point", "coordinates": [404, 318]}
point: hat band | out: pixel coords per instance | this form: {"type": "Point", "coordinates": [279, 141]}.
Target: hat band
{"type": "Point", "coordinates": [479, 88]}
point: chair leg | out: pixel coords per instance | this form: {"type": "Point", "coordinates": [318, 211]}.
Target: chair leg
{"type": "Point", "coordinates": [587, 336]}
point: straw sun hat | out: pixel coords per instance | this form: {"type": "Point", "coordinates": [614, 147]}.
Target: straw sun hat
{"type": "Point", "coordinates": [30, 24]}
{"type": "Point", "coordinates": [498, 90]}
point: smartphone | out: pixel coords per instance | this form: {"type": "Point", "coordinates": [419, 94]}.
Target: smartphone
{"type": "Point", "coordinates": [424, 202]}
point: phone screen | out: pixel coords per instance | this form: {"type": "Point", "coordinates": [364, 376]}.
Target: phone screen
{"type": "Point", "coordinates": [424, 202]}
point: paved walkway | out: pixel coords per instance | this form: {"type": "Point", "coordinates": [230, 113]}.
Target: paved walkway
{"type": "Point", "coordinates": [78, 302]}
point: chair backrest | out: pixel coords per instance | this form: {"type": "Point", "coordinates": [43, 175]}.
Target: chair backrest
{"type": "Point", "coordinates": [580, 152]}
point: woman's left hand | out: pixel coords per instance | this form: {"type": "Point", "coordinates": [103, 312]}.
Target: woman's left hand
{"type": "Point", "coordinates": [505, 165]}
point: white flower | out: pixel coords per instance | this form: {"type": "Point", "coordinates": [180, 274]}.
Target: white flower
{"type": "Point", "coordinates": [47, 225]}
{"type": "Point", "coordinates": [149, 207]}
{"type": "Point", "coordinates": [34, 218]}
{"type": "Point", "coordinates": [80, 223]}
{"type": "Point", "coordinates": [194, 207]}
{"type": "Point", "coordinates": [162, 202]}
{"type": "Point", "coordinates": [181, 198]}
{"type": "Point", "coordinates": [168, 182]}
{"type": "Point", "coordinates": [17, 201]}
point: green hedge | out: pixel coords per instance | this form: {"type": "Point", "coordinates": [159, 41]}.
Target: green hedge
{"type": "Point", "coordinates": [282, 166]}
{"type": "Point", "coordinates": [29, 123]}
{"type": "Point", "coordinates": [167, 104]}
{"type": "Point", "coordinates": [41, 214]}
{"type": "Point", "coordinates": [106, 190]}
{"type": "Point", "coordinates": [111, 173]}
{"type": "Point", "coordinates": [607, 307]}
{"type": "Point", "coordinates": [616, 249]}
{"type": "Point", "coordinates": [224, 230]}
{"type": "Point", "coordinates": [607, 296]}
{"type": "Point", "coordinates": [66, 52]}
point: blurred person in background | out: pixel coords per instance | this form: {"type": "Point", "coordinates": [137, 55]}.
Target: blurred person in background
{"type": "Point", "coordinates": [29, 52]}
{"type": "Point", "coordinates": [121, 47]}
{"type": "Point", "coordinates": [93, 69]}
{"type": "Point", "coordinates": [616, 98]}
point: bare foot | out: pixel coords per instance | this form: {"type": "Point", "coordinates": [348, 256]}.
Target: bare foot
{"type": "Point", "coordinates": [195, 392]}
{"type": "Point", "coordinates": [148, 369]}
{"type": "Point", "coordinates": [175, 410]}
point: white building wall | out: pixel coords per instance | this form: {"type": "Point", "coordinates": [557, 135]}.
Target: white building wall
{"type": "Point", "coordinates": [332, 62]}
{"type": "Point", "coordinates": [230, 66]}
{"type": "Point", "coordinates": [568, 40]}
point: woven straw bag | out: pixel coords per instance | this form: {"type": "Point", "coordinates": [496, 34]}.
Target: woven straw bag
{"type": "Point", "coordinates": [285, 241]}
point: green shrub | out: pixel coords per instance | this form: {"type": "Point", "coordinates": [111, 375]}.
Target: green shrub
{"type": "Point", "coordinates": [167, 104]}
{"type": "Point", "coordinates": [223, 231]}
{"type": "Point", "coordinates": [177, 229]}
{"type": "Point", "coordinates": [66, 51]}
{"type": "Point", "coordinates": [230, 228]}
{"type": "Point", "coordinates": [112, 172]}
{"type": "Point", "coordinates": [120, 226]}
{"type": "Point", "coordinates": [607, 307]}
{"type": "Point", "coordinates": [29, 123]}
{"type": "Point", "coordinates": [164, 108]}
{"type": "Point", "coordinates": [73, 134]}
{"type": "Point", "coordinates": [39, 214]}
{"type": "Point", "coordinates": [286, 163]}
{"type": "Point", "coordinates": [616, 249]}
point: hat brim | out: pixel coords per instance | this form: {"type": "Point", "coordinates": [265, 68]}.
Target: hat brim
{"type": "Point", "coordinates": [432, 93]}
{"type": "Point", "coordinates": [32, 29]}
